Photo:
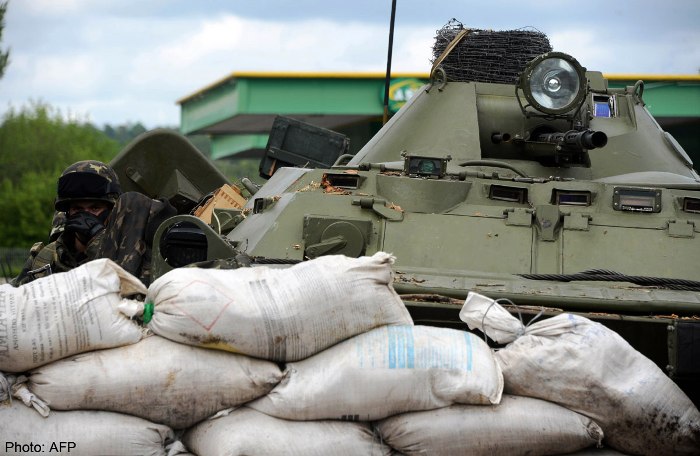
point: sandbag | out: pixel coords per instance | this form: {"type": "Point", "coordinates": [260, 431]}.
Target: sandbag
{"type": "Point", "coordinates": [277, 314]}
{"type": "Point", "coordinates": [388, 370]}
{"type": "Point", "coordinates": [79, 433]}
{"type": "Point", "coordinates": [247, 432]}
{"type": "Point", "coordinates": [177, 448]}
{"type": "Point", "coordinates": [517, 426]}
{"type": "Point", "coordinates": [588, 368]}
{"type": "Point", "coordinates": [66, 313]}
{"type": "Point", "coordinates": [156, 379]}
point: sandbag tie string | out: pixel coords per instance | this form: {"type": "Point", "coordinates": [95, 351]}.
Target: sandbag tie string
{"type": "Point", "coordinates": [523, 327]}
{"type": "Point", "coordinates": [148, 308]}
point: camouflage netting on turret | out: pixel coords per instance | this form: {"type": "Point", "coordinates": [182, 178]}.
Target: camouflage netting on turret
{"type": "Point", "coordinates": [487, 55]}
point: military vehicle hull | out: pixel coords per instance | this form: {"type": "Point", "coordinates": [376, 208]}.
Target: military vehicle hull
{"type": "Point", "coordinates": [491, 250]}
{"type": "Point", "coordinates": [553, 191]}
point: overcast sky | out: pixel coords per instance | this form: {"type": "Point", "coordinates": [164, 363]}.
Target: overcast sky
{"type": "Point", "coordinates": [126, 61]}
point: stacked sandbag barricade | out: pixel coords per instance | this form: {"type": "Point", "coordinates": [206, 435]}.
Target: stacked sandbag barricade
{"type": "Point", "coordinates": [281, 315]}
{"type": "Point", "coordinates": [50, 320]}
{"type": "Point", "coordinates": [99, 383]}
{"type": "Point", "coordinates": [353, 361]}
{"type": "Point", "coordinates": [318, 358]}
{"type": "Point", "coordinates": [585, 367]}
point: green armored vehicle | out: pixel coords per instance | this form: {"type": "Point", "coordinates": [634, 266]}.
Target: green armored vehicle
{"type": "Point", "coordinates": [538, 183]}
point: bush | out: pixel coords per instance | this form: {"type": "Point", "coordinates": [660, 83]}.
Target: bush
{"type": "Point", "coordinates": [37, 143]}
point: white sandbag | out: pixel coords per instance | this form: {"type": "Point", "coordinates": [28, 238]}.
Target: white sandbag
{"type": "Point", "coordinates": [79, 433]}
{"type": "Point", "coordinates": [177, 448]}
{"type": "Point", "coordinates": [247, 432]}
{"type": "Point", "coordinates": [65, 314]}
{"type": "Point", "coordinates": [157, 379]}
{"type": "Point", "coordinates": [277, 314]}
{"type": "Point", "coordinates": [517, 426]}
{"type": "Point", "coordinates": [586, 367]}
{"type": "Point", "coordinates": [389, 370]}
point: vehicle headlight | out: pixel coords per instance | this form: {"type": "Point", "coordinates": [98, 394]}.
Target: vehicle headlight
{"type": "Point", "coordinates": [554, 83]}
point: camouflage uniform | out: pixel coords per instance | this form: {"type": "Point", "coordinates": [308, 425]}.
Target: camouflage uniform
{"type": "Point", "coordinates": [58, 224]}
{"type": "Point", "coordinates": [126, 237]}
{"type": "Point", "coordinates": [47, 259]}
{"type": "Point", "coordinates": [129, 233]}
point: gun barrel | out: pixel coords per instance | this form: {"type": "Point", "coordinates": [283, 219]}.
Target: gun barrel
{"type": "Point", "coordinates": [587, 139]}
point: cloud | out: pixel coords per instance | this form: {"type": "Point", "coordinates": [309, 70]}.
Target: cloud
{"type": "Point", "coordinates": [218, 47]}
{"type": "Point", "coordinates": [607, 50]}
{"type": "Point", "coordinates": [53, 7]}
{"type": "Point", "coordinates": [69, 75]}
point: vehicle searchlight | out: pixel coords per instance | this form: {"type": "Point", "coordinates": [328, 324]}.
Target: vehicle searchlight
{"type": "Point", "coordinates": [554, 83]}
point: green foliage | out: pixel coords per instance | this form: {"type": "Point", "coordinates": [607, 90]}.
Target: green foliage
{"type": "Point", "coordinates": [235, 170]}
{"type": "Point", "coordinates": [38, 138]}
{"type": "Point", "coordinates": [28, 212]}
{"type": "Point", "coordinates": [123, 134]}
{"type": "Point", "coordinates": [4, 56]}
{"type": "Point", "coordinates": [37, 143]}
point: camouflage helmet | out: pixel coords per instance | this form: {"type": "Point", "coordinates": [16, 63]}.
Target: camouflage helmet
{"type": "Point", "coordinates": [87, 180]}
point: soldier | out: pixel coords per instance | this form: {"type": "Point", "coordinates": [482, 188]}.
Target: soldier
{"type": "Point", "coordinates": [98, 221]}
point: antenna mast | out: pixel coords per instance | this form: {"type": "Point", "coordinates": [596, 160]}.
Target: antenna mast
{"type": "Point", "coordinates": [388, 63]}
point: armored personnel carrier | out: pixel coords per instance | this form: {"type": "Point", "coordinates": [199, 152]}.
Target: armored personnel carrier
{"type": "Point", "coordinates": [515, 173]}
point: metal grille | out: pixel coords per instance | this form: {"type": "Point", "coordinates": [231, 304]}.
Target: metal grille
{"type": "Point", "coordinates": [487, 55]}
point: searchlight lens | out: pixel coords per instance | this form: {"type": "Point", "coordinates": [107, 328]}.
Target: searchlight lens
{"type": "Point", "coordinates": [554, 83]}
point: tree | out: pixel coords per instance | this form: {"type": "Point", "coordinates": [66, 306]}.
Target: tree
{"type": "Point", "coordinates": [4, 56]}
{"type": "Point", "coordinates": [123, 134]}
{"type": "Point", "coordinates": [37, 144]}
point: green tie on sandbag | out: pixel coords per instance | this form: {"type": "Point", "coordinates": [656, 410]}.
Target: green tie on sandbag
{"type": "Point", "coordinates": [148, 308]}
